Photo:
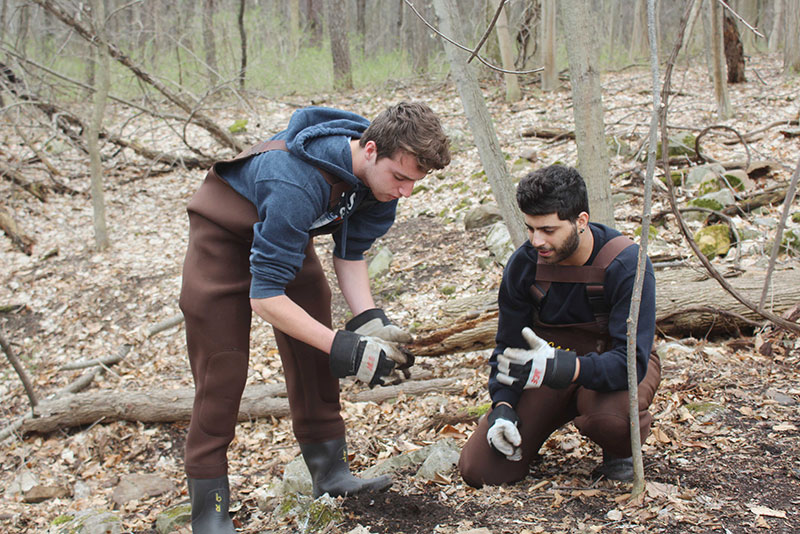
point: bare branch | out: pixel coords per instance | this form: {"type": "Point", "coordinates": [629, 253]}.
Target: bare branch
{"type": "Point", "coordinates": [466, 49]}
{"type": "Point", "coordinates": [20, 369]}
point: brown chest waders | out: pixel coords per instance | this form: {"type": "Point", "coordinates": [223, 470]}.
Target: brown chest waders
{"type": "Point", "coordinates": [216, 305]}
{"type": "Point", "coordinates": [603, 417]}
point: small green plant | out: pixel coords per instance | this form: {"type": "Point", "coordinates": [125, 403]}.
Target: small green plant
{"type": "Point", "coordinates": [238, 126]}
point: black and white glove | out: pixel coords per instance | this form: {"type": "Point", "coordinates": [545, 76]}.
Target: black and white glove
{"type": "Point", "coordinates": [370, 359]}
{"type": "Point", "coordinates": [374, 322]}
{"type": "Point", "coordinates": [541, 365]}
{"type": "Point", "coordinates": [503, 435]}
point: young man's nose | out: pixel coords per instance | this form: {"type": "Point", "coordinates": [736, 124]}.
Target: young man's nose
{"type": "Point", "coordinates": [536, 239]}
{"type": "Point", "coordinates": [406, 188]}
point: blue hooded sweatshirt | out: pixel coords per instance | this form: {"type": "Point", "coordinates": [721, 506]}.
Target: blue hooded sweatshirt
{"type": "Point", "coordinates": [293, 198]}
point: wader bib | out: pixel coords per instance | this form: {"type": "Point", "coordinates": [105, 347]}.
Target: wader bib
{"type": "Point", "coordinates": [603, 417]}
{"type": "Point", "coordinates": [216, 305]}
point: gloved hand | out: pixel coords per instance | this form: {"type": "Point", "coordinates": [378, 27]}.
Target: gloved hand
{"type": "Point", "coordinates": [373, 322]}
{"type": "Point", "coordinates": [368, 358]}
{"type": "Point", "coordinates": [541, 365]}
{"type": "Point", "coordinates": [503, 435]}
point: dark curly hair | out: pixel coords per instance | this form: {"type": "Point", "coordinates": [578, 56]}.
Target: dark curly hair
{"type": "Point", "coordinates": [554, 189]}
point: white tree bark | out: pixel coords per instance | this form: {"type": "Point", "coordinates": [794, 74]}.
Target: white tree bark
{"type": "Point", "coordinates": [718, 58]}
{"type": "Point", "coordinates": [587, 108]}
{"type": "Point", "coordinates": [95, 125]}
{"type": "Point", "coordinates": [513, 92]}
{"type": "Point", "coordinates": [548, 45]}
{"type": "Point", "coordinates": [791, 44]}
{"type": "Point", "coordinates": [480, 122]}
{"type": "Point", "coordinates": [776, 35]}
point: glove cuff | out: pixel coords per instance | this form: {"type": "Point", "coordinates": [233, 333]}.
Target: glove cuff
{"type": "Point", "coordinates": [502, 411]}
{"type": "Point", "coordinates": [364, 317]}
{"type": "Point", "coordinates": [344, 354]}
{"type": "Point", "coordinates": [563, 369]}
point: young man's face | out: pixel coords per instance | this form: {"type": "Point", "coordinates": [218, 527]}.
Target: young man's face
{"type": "Point", "coordinates": [390, 178]}
{"type": "Point", "coordinates": [554, 239]}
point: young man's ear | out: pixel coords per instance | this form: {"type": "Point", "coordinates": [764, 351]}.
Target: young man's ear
{"type": "Point", "coordinates": [583, 221]}
{"type": "Point", "coordinates": [370, 150]}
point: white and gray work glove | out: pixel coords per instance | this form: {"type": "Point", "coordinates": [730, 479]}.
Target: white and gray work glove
{"type": "Point", "coordinates": [541, 365]}
{"type": "Point", "coordinates": [373, 322]}
{"type": "Point", "coordinates": [503, 434]}
{"type": "Point", "coordinates": [370, 359]}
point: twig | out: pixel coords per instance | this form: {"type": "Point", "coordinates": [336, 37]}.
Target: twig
{"type": "Point", "coordinates": [720, 127]}
{"type": "Point", "coordinates": [20, 369]}
{"type": "Point", "coordinates": [741, 19]}
{"type": "Point", "coordinates": [776, 246]}
{"type": "Point", "coordinates": [485, 35]}
{"type": "Point", "coordinates": [462, 47]}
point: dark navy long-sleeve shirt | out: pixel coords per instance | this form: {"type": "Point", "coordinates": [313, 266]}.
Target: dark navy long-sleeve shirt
{"type": "Point", "coordinates": [567, 303]}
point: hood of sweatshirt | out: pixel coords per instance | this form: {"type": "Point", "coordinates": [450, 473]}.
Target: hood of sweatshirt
{"type": "Point", "coordinates": [311, 136]}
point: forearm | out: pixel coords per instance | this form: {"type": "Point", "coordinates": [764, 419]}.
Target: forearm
{"type": "Point", "coordinates": [354, 283]}
{"type": "Point", "coordinates": [285, 315]}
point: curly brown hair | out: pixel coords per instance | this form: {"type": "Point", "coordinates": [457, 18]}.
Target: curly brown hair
{"type": "Point", "coordinates": [413, 127]}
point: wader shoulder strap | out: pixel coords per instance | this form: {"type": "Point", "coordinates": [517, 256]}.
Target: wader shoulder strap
{"type": "Point", "coordinates": [592, 275]}
{"type": "Point", "coordinates": [338, 186]}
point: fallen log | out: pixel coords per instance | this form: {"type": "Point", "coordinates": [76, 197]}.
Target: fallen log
{"type": "Point", "coordinates": [9, 226]}
{"type": "Point", "coordinates": [687, 304]}
{"type": "Point", "coordinates": [168, 406]}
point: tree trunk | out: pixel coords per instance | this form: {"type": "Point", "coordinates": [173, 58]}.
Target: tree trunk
{"type": "Point", "coordinates": [294, 26]}
{"type": "Point", "coordinates": [748, 9]}
{"type": "Point", "coordinates": [734, 51]}
{"type": "Point", "coordinates": [548, 34]}
{"type": "Point", "coordinates": [95, 125]}
{"type": "Point", "coordinates": [421, 42]}
{"type": "Point", "coordinates": [685, 306]}
{"type": "Point", "coordinates": [340, 45]}
{"type": "Point", "coordinates": [638, 32]}
{"type": "Point", "coordinates": [209, 43]}
{"type": "Point", "coordinates": [480, 122]}
{"type": "Point", "coordinates": [588, 107]}
{"type": "Point", "coordinates": [718, 58]}
{"type": "Point", "coordinates": [791, 43]}
{"type": "Point", "coordinates": [776, 35]}
{"type": "Point", "coordinates": [361, 24]}
{"type": "Point", "coordinates": [314, 22]}
{"type": "Point", "coordinates": [513, 94]}
{"type": "Point", "coordinates": [243, 40]}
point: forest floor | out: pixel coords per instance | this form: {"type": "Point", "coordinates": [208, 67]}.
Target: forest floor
{"type": "Point", "coordinates": [724, 455]}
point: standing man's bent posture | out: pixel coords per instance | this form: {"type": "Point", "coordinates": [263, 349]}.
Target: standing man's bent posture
{"type": "Point", "coordinates": [562, 338]}
{"type": "Point", "coordinates": [251, 229]}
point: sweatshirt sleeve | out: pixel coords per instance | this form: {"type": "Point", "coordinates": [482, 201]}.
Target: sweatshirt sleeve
{"type": "Point", "coordinates": [281, 235]}
{"type": "Point", "coordinates": [607, 371]}
{"type": "Point", "coordinates": [515, 308]}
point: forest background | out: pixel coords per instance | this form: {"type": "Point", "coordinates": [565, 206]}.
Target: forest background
{"type": "Point", "coordinates": [114, 110]}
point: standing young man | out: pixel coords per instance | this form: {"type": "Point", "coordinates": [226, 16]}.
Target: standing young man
{"type": "Point", "coordinates": [562, 338]}
{"type": "Point", "coordinates": [251, 229]}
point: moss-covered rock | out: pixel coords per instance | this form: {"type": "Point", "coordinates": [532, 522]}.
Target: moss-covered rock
{"type": "Point", "coordinates": [713, 240]}
{"type": "Point", "coordinates": [790, 243]}
{"type": "Point", "coordinates": [174, 517]}
{"type": "Point", "coordinates": [679, 145]}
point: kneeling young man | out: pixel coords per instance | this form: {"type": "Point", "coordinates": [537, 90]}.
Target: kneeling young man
{"type": "Point", "coordinates": [562, 338]}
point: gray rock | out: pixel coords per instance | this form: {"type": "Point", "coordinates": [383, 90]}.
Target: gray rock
{"type": "Point", "coordinates": [87, 522]}
{"type": "Point", "coordinates": [411, 459]}
{"type": "Point", "coordinates": [22, 483]}
{"type": "Point", "coordinates": [138, 486]}
{"type": "Point", "coordinates": [380, 263]}
{"type": "Point", "coordinates": [701, 173]}
{"type": "Point", "coordinates": [499, 243]}
{"type": "Point", "coordinates": [483, 215]}
{"type": "Point", "coordinates": [781, 398]}
{"type": "Point", "coordinates": [173, 518]}
{"type": "Point", "coordinates": [442, 457]}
